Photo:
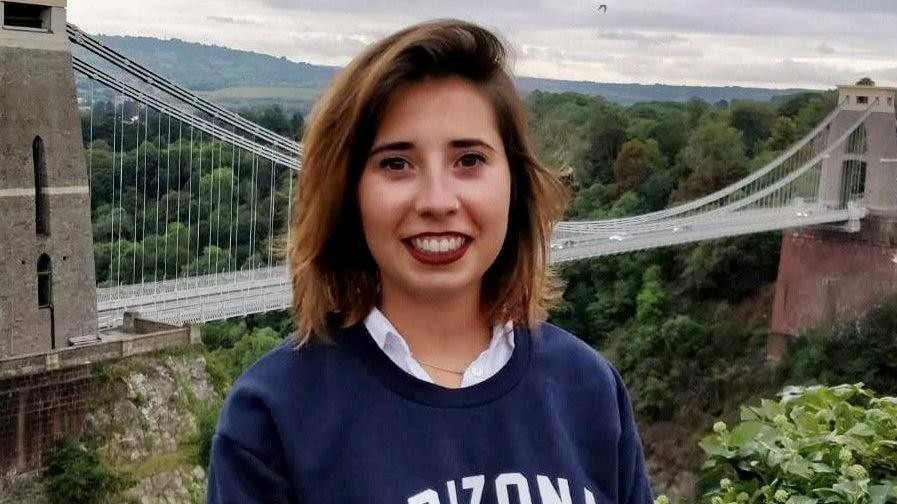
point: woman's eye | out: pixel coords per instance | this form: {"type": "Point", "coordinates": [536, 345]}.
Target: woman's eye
{"type": "Point", "coordinates": [471, 160]}
{"type": "Point", "coordinates": [394, 164]}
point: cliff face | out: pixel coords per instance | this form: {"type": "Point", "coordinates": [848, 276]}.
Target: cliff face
{"type": "Point", "coordinates": [149, 420]}
{"type": "Point", "coordinates": [145, 415]}
{"type": "Point", "coordinates": [147, 408]}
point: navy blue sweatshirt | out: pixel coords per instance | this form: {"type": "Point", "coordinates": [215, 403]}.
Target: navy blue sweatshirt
{"type": "Point", "coordinates": [343, 424]}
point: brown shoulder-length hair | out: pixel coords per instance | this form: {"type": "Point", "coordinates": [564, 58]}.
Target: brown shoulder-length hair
{"type": "Point", "coordinates": [334, 276]}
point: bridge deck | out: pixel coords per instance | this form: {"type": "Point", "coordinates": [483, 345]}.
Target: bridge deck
{"type": "Point", "coordinates": [226, 295]}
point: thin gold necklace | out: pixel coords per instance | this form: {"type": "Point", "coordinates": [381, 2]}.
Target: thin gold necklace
{"type": "Point", "coordinates": [440, 368]}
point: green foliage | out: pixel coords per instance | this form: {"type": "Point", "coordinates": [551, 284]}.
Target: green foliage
{"type": "Point", "coordinates": [852, 351]}
{"type": "Point", "coordinates": [100, 371]}
{"type": "Point", "coordinates": [753, 120]}
{"type": "Point", "coordinates": [207, 421]}
{"type": "Point", "coordinates": [559, 126]}
{"type": "Point", "coordinates": [783, 133]}
{"type": "Point", "coordinates": [632, 165]}
{"type": "Point", "coordinates": [251, 348]}
{"type": "Point", "coordinates": [731, 268]}
{"type": "Point", "coordinates": [660, 362]}
{"type": "Point", "coordinates": [76, 473]}
{"type": "Point", "coordinates": [223, 334]}
{"type": "Point", "coordinates": [179, 203]}
{"type": "Point", "coordinates": [790, 105]}
{"type": "Point", "coordinates": [274, 119]}
{"type": "Point", "coordinates": [606, 133]}
{"type": "Point", "coordinates": [234, 350]}
{"type": "Point", "coordinates": [231, 349]}
{"type": "Point", "coordinates": [713, 158]}
{"type": "Point", "coordinates": [651, 303]}
{"type": "Point", "coordinates": [676, 350]}
{"type": "Point", "coordinates": [815, 445]}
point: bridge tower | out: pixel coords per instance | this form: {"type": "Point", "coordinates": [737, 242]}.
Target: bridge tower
{"type": "Point", "coordinates": [877, 162]}
{"type": "Point", "coordinates": [828, 274]}
{"type": "Point", "coordinates": [47, 286]}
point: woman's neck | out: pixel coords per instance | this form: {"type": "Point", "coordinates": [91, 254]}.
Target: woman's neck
{"type": "Point", "coordinates": [449, 332]}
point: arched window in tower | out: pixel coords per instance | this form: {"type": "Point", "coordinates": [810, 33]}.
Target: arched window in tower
{"type": "Point", "coordinates": [853, 181]}
{"type": "Point", "coordinates": [41, 203]}
{"type": "Point", "coordinates": [44, 282]}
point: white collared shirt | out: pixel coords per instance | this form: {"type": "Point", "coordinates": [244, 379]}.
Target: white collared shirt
{"type": "Point", "coordinates": [489, 362]}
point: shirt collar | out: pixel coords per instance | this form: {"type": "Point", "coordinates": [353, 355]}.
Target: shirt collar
{"type": "Point", "coordinates": [384, 332]}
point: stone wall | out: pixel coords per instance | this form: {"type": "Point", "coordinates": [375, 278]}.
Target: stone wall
{"type": "Point", "coordinates": [114, 348]}
{"type": "Point", "coordinates": [827, 275]}
{"type": "Point", "coordinates": [35, 410]}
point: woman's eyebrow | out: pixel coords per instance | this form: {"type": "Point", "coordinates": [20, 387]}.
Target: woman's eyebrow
{"type": "Point", "coordinates": [396, 146]}
{"type": "Point", "coordinates": [463, 143]}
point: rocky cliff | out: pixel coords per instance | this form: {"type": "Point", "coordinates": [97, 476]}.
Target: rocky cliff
{"type": "Point", "coordinates": [145, 417]}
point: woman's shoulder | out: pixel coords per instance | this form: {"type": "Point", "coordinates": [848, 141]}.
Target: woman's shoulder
{"type": "Point", "coordinates": [273, 387]}
{"type": "Point", "coordinates": [569, 355]}
{"type": "Point", "coordinates": [284, 365]}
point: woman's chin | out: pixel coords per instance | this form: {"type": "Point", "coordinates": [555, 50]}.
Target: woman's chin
{"type": "Point", "coordinates": [436, 286]}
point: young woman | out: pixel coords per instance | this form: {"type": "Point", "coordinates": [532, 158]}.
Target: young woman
{"type": "Point", "coordinates": [422, 371]}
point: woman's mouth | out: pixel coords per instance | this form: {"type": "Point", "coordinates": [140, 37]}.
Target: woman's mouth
{"type": "Point", "coordinates": [438, 249]}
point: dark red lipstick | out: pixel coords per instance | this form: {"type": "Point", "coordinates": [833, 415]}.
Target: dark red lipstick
{"type": "Point", "coordinates": [438, 258]}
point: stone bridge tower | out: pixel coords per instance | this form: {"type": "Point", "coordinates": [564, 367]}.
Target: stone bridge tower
{"type": "Point", "coordinates": [828, 274]}
{"type": "Point", "coordinates": [47, 286]}
{"type": "Point", "coordinates": [876, 164]}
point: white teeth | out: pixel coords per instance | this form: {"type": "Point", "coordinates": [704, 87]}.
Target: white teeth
{"type": "Point", "coordinates": [437, 245]}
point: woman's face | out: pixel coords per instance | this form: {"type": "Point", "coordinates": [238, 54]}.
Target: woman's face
{"type": "Point", "coordinates": [435, 191]}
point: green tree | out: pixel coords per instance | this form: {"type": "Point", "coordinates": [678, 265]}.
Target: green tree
{"type": "Point", "coordinates": [784, 133]}
{"type": "Point", "coordinates": [730, 268]}
{"type": "Point", "coordinates": [606, 134]}
{"type": "Point", "coordinates": [714, 158]}
{"type": "Point", "coordinates": [695, 108]}
{"type": "Point", "coordinates": [213, 259]}
{"type": "Point", "coordinates": [671, 133]}
{"type": "Point", "coordinates": [76, 473]}
{"type": "Point", "coordinates": [652, 304]}
{"type": "Point", "coordinates": [753, 120]}
{"type": "Point", "coordinates": [631, 166]}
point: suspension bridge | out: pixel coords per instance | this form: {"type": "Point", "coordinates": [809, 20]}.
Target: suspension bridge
{"type": "Point", "coordinates": [787, 192]}
{"type": "Point", "coordinates": [191, 203]}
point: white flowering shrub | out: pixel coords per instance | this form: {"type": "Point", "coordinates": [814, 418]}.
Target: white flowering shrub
{"type": "Point", "coordinates": [815, 445]}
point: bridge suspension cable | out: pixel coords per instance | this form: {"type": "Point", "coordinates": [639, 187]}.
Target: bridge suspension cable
{"type": "Point", "coordinates": [209, 127]}
{"type": "Point", "coordinates": [96, 47]}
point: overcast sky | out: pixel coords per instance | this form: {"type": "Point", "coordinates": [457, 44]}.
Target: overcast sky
{"type": "Point", "coordinates": [785, 43]}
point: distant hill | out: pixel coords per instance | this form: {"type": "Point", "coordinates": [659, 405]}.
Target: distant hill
{"type": "Point", "coordinates": [237, 78]}
{"type": "Point", "coordinates": [628, 94]}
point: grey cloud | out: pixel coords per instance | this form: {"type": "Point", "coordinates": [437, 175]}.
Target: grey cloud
{"type": "Point", "coordinates": [834, 6]}
{"type": "Point", "coordinates": [640, 38]}
{"type": "Point", "coordinates": [233, 20]}
{"type": "Point", "coordinates": [330, 46]}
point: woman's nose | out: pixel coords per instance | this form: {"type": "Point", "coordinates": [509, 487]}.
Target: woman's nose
{"type": "Point", "coordinates": [437, 195]}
